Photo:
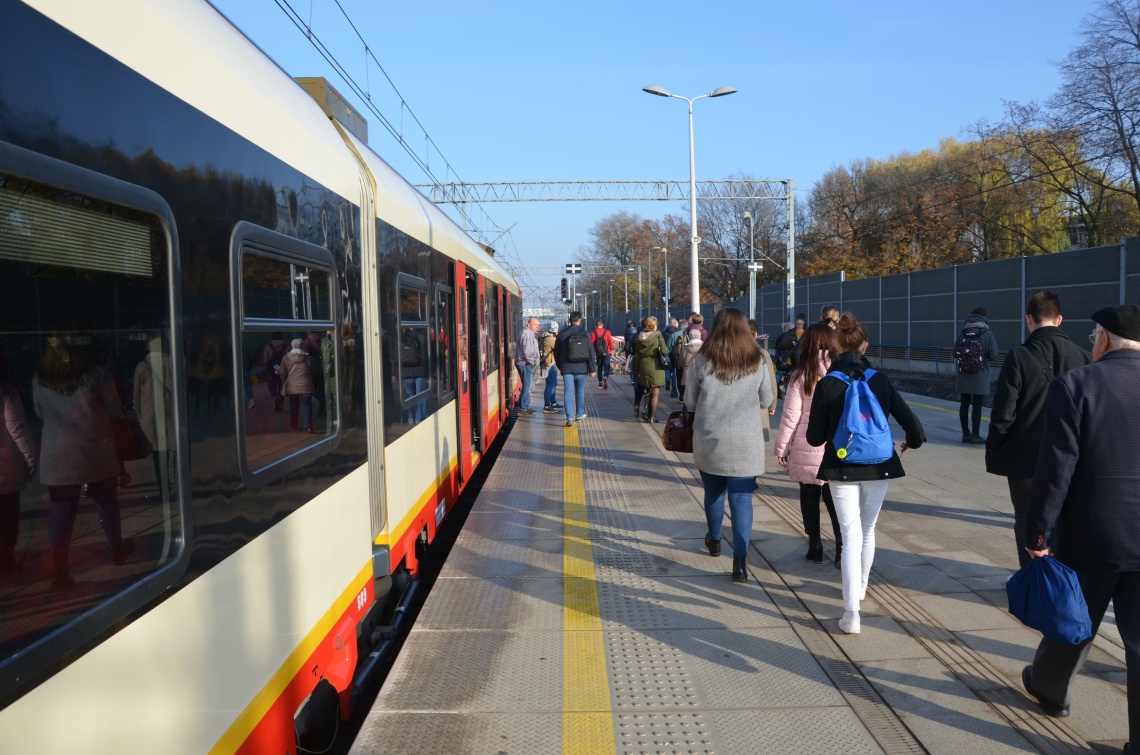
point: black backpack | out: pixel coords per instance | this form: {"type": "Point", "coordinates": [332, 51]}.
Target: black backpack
{"type": "Point", "coordinates": [969, 353]}
{"type": "Point", "coordinates": [578, 347]}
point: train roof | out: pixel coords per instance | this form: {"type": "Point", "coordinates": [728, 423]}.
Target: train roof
{"type": "Point", "coordinates": [190, 49]}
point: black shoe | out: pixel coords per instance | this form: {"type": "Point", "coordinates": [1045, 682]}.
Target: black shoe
{"type": "Point", "coordinates": [739, 574]}
{"type": "Point", "coordinates": [815, 551]}
{"type": "Point", "coordinates": [978, 440]}
{"type": "Point", "coordinates": [637, 410]}
{"type": "Point", "coordinates": [839, 556]}
{"type": "Point", "coordinates": [713, 546]}
{"type": "Point", "coordinates": [1052, 708]}
{"type": "Point", "coordinates": [967, 437]}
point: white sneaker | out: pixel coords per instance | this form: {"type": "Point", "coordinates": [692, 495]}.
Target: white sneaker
{"type": "Point", "coordinates": [863, 593]}
{"type": "Point", "coordinates": [850, 622]}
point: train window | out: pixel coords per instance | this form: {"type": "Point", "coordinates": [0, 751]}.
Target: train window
{"type": "Point", "coordinates": [91, 504]}
{"type": "Point", "coordinates": [492, 327]}
{"type": "Point", "coordinates": [444, 337]}
{"type": "Point", "coordinates": [412, 349]}
{"type": "Point", "coordinates": [287, 352]}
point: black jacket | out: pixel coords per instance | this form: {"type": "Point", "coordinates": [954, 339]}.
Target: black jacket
{"type": "Point", "coordinates": [1087, 487]}
{"type": "Point", "coordinates": [567, 367]}
{"type": "Point", "coordinates": [827, 408]}
{"type": "Point", "coordinates": [1019, 400]}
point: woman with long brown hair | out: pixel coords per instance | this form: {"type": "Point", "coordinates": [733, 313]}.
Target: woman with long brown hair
{"type": "Point", "coordinates": [729, 390]}
{"type": "Point", "coordinates": [650, 373]}
{"type": "Point", "coordinates": [858, 489]}
{"type": "Point", "coordinates": [819, 349]}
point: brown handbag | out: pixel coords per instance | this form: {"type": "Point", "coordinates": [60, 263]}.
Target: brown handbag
{"type": "Point", "coordinates": [678, 435]}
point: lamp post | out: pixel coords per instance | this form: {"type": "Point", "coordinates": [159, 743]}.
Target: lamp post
{"type": "Point", "coordinates": [665, 297]}
{"type": "Point", "coordinates": [751, 268]}
{"type": "Point", "coordinates": [694, 281]}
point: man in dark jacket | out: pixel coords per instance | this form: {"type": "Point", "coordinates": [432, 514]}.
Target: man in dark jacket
{"type": "Point", "coordinates": [1019, 403]}
{"type": "Point", "coordinates": [1086, 492]}
{"type": "Point", "coordinates": [574, 354]}
{"type": "Point", "coordinates": [631, 347]}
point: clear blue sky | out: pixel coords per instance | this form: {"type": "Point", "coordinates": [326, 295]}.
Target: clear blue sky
{"type": "Point", "coordinates": [514, 91]}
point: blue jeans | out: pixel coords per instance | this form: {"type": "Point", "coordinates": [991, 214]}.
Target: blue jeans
{"type": "Point", "coordinates": [527, 373]}
{"type": "Point", "coordinates": [739, 492]}
{"type": "Point", "coordinates": [671, 378]}
{"type": "Point", "coordinates": [603, 367]}
{"type": "Point", "coordinates": [549, 398]}
{"type": "Point", "coordinates": [574, 394]}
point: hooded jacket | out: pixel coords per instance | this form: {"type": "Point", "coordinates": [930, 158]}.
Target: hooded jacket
{"type": "Point", "coordinates": [978, 382]}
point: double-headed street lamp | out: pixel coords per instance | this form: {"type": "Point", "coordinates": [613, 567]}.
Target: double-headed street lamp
{"type": "Point", "coordinates": [694, 280]}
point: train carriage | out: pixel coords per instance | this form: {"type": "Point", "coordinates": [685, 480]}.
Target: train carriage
{"type": "Point", "coordinates": [278, 363]}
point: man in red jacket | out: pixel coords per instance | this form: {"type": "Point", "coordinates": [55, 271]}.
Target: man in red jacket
{"type": "Point", "coordinates": [603, 341]}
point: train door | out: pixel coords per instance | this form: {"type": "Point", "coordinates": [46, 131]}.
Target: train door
{"type": "Point", "coordinates": [478, 359]}
{"type": "Point", "coordinates": [463, 384]}
{"type": "Point", "coordinates": [506, 367]}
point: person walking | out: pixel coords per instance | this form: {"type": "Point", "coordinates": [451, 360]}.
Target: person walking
{"type": "Point", "coordinates": [528, 359]}
{"type": "Point", "coordinates": [74, 393]}
{"type": "Point", "coordinates": [18, 459]}
{"type": "Point", "coordinates": [603, 341]}
{"type": "Point", "coordinates": [650, 372]}
{"type": "Point", "coordinates": [857, 489]}
{"type": "Point", "coordinates": [685, 358]}
{"type": "Point", "coordinates": [975, 348]}
{"type": "Point", "coordinates": [630, 347]}
{"type": "Point", "coordinates": [576, 360]}
{"type": "Point", "coordinates": [298, 386]}
{"type": "Point", "coordinates": [696, 320]}
{"type": "Point", "coordinates": [729, 390]}
{"type": "Point", "coordinates": [1086, 492]}
{"type": "Point", "coordinates": [1018, 413]}
{"type": "Point", "coordinates": [550, 403]}
{"type": "Point", "coordinates": [793, 452]}
{"type": "Point", "coordinates": [671, 328]}
{"type": "Point", "coordinates": [676, 342]}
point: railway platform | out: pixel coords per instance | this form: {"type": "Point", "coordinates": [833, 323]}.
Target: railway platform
{"type": "Point", "coordinates": [579, 612]}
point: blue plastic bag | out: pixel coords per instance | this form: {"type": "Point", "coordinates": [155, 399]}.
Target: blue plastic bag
{"type": "Point", "coordinates": [1046, 596]}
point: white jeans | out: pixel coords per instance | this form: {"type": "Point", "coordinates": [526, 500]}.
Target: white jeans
{"type": "Point", "coordinates": [857, 505]}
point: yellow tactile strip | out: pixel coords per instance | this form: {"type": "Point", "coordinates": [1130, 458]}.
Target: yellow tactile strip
{"type": "Point", "coordinates": [587, 714]}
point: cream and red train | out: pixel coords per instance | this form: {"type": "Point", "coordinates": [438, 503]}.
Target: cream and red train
{"type": "Point", "coordinates": [179, 210]}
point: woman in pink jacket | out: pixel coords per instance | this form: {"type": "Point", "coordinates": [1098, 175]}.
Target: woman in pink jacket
{"type": "Point", "coordinates": [792, 450]}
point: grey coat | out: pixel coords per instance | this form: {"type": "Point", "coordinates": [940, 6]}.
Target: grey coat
{"type": "Point", "coordinates": [78, 441]}
{"type": "Point", "coordinates": [979, 382]}
{"type": "Point", "coordinates": [17, 448]}
{"type": "Point", "coordinates": [728, 429]}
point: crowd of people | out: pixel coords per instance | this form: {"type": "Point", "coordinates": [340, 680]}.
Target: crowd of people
{"type": "Point", "coordinates": [1063, 428]}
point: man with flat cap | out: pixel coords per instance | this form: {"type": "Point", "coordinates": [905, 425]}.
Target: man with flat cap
{"type": "Point", "coordinates": [1086, 493]}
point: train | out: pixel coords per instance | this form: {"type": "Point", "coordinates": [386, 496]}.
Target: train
{"type": "Point", "coordinates": [279, 362]}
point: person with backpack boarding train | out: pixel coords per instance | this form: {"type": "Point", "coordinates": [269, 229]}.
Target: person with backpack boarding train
{"type": "Point", "coordinates": [849, 417]}
{"type": "Point", "coordinates": [975, 348]}
{"type": "Point", "coordinates": [575, 357]}
{"type": "Point", "coordinates": [603, 341]}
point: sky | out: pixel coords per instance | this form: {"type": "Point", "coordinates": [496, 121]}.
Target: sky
{"type": "Point", "coordinates": [526, 91]}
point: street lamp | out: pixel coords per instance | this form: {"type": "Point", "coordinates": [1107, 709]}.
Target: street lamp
{"type": "Point", "coordinates": [694, 281]}
{"type": "Point", "coordinates": [630, 269]}
{"type": "Point", "coordinates": [751, 268]}
{"type": "Point", "coordinates": [664, 252]}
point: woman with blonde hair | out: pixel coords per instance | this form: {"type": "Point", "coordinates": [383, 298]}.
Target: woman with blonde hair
{"type": "Point", "coordinates": [858, 489]}
{"type": "Point", "coordinates": [801, 460]}
{"type": "Point", "coordinates": [650, 372]}
{"type": "Point", "coordinates": [729, 390]}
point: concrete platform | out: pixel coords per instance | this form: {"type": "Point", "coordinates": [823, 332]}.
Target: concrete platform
{"type": "Point", "coordinates": [580, 612]}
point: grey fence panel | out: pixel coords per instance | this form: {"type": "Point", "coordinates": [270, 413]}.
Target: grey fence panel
{"type": "Point", "coordinates": [1097, 265]}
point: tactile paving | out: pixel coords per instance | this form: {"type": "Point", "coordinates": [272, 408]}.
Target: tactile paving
{"type": "Point", "coordinates": [648, 671]}
{"type": "Point", "coordinates": [481, 604]}
{"type": "Point", "coordinates": [665, 733]}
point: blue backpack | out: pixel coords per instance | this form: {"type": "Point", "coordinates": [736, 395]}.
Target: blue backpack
{"type": "Point", "coordinates": [863, 437]}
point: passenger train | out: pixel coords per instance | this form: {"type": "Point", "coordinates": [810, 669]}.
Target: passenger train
{"type": "Point", "coordinates": [280, 362]}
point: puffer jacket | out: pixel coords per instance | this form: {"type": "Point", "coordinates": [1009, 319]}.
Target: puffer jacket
{"type": "Point", "coordinates": [17, 447]}
{"type": "Point", "coordinates": [297, 373]}
{"type": "Point", "coordinates": [791, 440]}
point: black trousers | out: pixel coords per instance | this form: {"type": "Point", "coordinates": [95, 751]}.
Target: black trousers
{"type": "Point", "coordinates": [809, 510]}
{"type": "Point", "coordinates": [964, 409]}
{"type": "Point", "coordinates": [1056, 664]}
{"type": "Point", "coordinates": [1019, 496]}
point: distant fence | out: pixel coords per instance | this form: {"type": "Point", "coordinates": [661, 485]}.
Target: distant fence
{"type": "Point", "coordinates": [913, 319]}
